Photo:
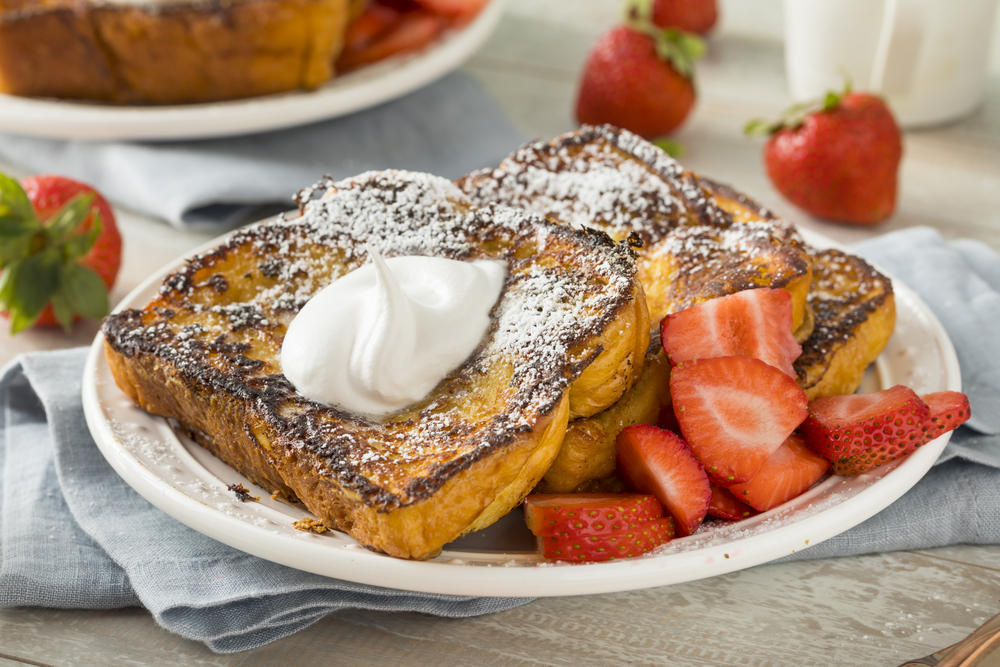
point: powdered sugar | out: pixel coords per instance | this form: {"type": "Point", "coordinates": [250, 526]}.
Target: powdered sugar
{"type": "Point", "coordinates": [229, 339]}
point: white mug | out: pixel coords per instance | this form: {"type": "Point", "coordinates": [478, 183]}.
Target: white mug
{"type": "Point", "coordinates": [928, 58]}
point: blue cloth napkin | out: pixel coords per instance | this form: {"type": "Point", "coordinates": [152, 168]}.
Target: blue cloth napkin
{"type": "Point", "coordinates": [958, 501]}
{"type": "Point", "coordinates": [448, 128]}
{"type": "Point", "coordinates": [73, 534]}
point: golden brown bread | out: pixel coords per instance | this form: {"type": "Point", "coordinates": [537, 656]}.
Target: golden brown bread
{"type": "Point", "coordinates": [613, 180]}
{"type": "Point", "coordinates": [167, 53]}
{"type": "Point", "coordinates": [588, 451]}
{"type": "Point", "coordinates": [851, 305]}
{"type": "Point", "coordinates": [206, 352]}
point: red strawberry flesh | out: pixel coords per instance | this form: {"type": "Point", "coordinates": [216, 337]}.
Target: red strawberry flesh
{"type": "Point", "coordinates": [627, 543]}
{"type": "Point", "coordinates": [839, 427]}
{"type": "Point", "coordinates": [659, 462]}
{"type": "Point", "coordinates": [790, 471]}
{"type": "Point", "coordinates": [734, 413]}
{"type": "Point", "coordinates": [724, 505]}
{"type": "Point", "coordinates": [754, 323]}
{"type": "Point", "coordinates": [948, 411]}
{"type": "Point", "coordinates": [588, 513]}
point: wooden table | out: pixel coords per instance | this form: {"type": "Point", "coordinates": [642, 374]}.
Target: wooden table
{"type": "Point", "coordinates": [870, 610]}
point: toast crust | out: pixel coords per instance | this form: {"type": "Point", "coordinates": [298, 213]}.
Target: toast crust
{"type": "Point", "coordinates": [613, 180]}
{"type": "Point", "coordinates": [205, 351]}
{"type": "Point", "coordinates": [174, 52]}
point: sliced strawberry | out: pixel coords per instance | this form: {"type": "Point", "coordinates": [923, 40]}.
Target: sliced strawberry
{"type": "Point", "coordinates": [375, 21]}
{"type": "Point", "coordinates": [453, 7]}
{"type": "Point", "coordinates": [788, 473]}
{"type": "Point", "coordinates": [627, 543]}
{"type": "Point", "coordinates": [724, 505]}
{"type": "Point", "coordinates": [948, 411]}
{"type": "Point", "coordinates": [667, 420]}
{"type": "Point", "coordinates": [415, 31]}
{"type": "Point", "coordinates": [588, 513]}
{"type": "Point", "coordinates": [754, 323]}
{"type": "Point", "coordinates": [659, 462]}
{"type": "Point", "coordinates": [861, 431]}
{"type": "Point", "coordinates": [734, 413]}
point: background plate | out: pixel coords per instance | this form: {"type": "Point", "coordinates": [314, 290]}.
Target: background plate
{"type": "Point", "coordinates": [367, 87]}
{"type": "Point", "coordinates": [188, 483]}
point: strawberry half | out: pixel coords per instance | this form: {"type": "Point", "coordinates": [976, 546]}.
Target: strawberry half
{"type": "Point", "coordinates": [860, 432]}
{"type": "Point", "coordinates": [756, 324]}
{"type": "Point", "coordinates": [948, 411]}
{"type": "Point", "coordinates": [734, 413]}
{"type": "Point", "coordinates": [59, 251]}
{"type": "Point", "coordinates": [588, 513]}
{"type": "Point", "coordinates": [627, 543]}
{"type": "Point", "coordinates": [724, 505]}
{"type": "Point", "coordinates": [659, 462]}
{"type": "Point", "coordinates": [787, 474]}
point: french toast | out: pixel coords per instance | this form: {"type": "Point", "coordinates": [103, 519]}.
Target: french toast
{"type": "Point", "coordinates": [851, 304]}
{"type": "Point", "coordinates": [588, 450]}
{"type": "Point", "coordinates": [615, 181]}
{"type": "Point", "coordinates": [695, 232]}
{"type": "Point", "coordinates": [167, 52]}
{"type": "Point", "coordinates": [567, 337]}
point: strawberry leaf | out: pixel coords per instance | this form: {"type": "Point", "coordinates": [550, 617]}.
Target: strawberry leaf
{"type": "Point", "coordinates": [15, 248]}
{"type": "Point", "coordinates": [13, 227]}
{"type": "Point", "coordinates": [14, 201]}
{"type": "Point", "coordinates": [77, 246]}
{"type": "Point", "coordinates": [83, 291]}
{"type": "Point", "coordinates": [669, 146]}
{"type": "Point", "coordinates": [37, 280]}
{"type": "Point", "coordinates": [793, 117]}
{"type": "Point", "coordinates": [69, 218]}
{"type": "Point", "coordinates": [678, 48]}
{"type": "Point", "coordinates": [7, 281]}
{"type": "Point", "coordinates": [62, 311]}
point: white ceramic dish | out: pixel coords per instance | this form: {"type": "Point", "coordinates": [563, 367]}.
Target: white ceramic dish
{"type": "Point", "coordinates": [367, 87]}
{"type": "Point", "coordinates": [187, 482]}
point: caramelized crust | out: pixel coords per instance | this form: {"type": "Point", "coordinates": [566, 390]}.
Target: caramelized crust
{"type": "Point", "coordinates": [588, 451]}
{"type": "Point", "coordinates": [174, 52]}
{"type": "Point", "coordinates": [612, 180]}
{"type": "Point", "coordinates": [855, 315]}
{"type": "Point", "coordinates": [206, 352]}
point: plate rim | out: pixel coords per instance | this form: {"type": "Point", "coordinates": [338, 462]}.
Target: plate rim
{"type": "Point", "coordinates": [539, 579]}
{"type": "Point", "coordinates": [352, 92]}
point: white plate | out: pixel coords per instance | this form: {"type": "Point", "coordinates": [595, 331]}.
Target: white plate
{"type": "Point", "coordinates": [367, 87]}
{"type": "Point", "coordinates": [188, 483]}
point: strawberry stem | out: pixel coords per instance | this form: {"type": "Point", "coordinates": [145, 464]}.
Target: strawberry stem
{"type": "Point", "coordinates": [793, 117]}
{"type": "Point", "coordinates": [673, 46]}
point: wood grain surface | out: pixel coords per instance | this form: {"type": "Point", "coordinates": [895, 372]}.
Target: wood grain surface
{"type": "Point", "coordinates": [873, 610]}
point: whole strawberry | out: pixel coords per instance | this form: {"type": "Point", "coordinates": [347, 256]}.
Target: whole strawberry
{"type": "Point", "coordinates": [837, 160]}
{"type": "Point", "coordinates": [688, 15]}
{"type": "Point", "coordinates": [59, 251]}
{"type": "Point", "coordinates": [639, 77]}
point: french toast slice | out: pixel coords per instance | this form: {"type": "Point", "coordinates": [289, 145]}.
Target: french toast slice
{"type": "Point", "coordinates": [850, 303]}
{"type": "Point", "coordinates": [588, 450]}
{"type": "Point", "coordinates": [206, 351]}
{"type": "Point", "coordinates": [615, 181]}
{"type": "Point", "coordinates": [174, 52]}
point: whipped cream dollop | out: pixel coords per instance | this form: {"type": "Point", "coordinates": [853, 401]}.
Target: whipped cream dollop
{"type": "Point", "coordinates": [383, 336]}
